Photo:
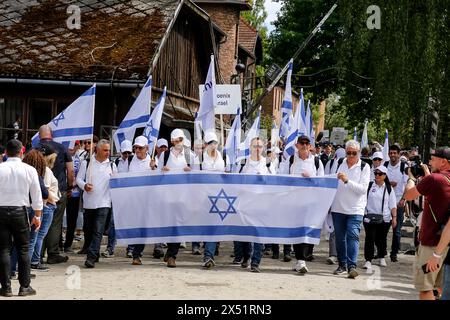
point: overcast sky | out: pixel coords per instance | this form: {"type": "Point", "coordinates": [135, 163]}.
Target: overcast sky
{"type": "Point", "coordinates": [272, 8]}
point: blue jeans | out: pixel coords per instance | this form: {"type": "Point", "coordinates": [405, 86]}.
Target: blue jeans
{"type": "Point", "coordinates": [347, 228]}
{"type": "Point", "coordinates": [397, 232]}
{"type": "Point", "coordinates": [37, 238]}
{"type": "Point", "coordinates": [99, 217]}
{"type": "Point", "coordinates": [238, 250]}
{"type": "Point", "coordinates": [446, 284]}
{"type": "Point", "coordinates": [210, 249]}
{"type": "Point", "coordinates": [111, 236]}
{"type": "Point", "coordinates": [255, 254]}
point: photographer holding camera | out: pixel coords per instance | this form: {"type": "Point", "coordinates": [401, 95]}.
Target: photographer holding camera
{"type": "Point", "coordinates": [434, 229]}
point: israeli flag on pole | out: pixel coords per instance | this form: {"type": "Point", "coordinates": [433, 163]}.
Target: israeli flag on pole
{"type": "Point", "coordinates": [205, 114]}
{"type": "Point", "coordinates": [355, 134]}
{"type": "Point", "coordinates": [233, 142]}
{"type": "Point", "coordinates": [244, 149]}
{"type": "Point", "coordinates": [76, 122]}
{"type": "Point", "coordinates": [312, 133]}
{"type": "Point", "coordinates": [137, 116]}
{"type": "Point", "coordinates": [364, 139]}
{"type": "Point", "coordinates": [291, 139]}
{"type": "Point", "coordinates": [301, 121]}
{"type": "Point", "coordinates": [286, 107]}
{"type": "Point", "coordinates": [151, 130]}
{"type": "Point", "coordinates": [386, 147]}
{"type": "Point", "coordinates": [308, 119]}
{"type": "Point", "coordinates": [274, 135]}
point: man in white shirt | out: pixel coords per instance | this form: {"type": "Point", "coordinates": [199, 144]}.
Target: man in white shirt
{"type": "Point", "coordinates": [93, 178]}
{"type": "Point", "coordinates": [304, 164]}
{"type": "Point", "coordinates": [18, 182]}
{"type": "Point", "coordinates": [177, 158]}
{"type": "Point", "coordinates": [398, 177]}
{"type": "Point", "coordinates": [126, 151]}
{"type": "Point", "coordinates": [348, 207]}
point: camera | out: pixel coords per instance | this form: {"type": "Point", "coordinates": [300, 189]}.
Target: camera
{"type": "Point", "coordinates": [416, 167]}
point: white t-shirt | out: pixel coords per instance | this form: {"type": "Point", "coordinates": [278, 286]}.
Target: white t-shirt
{"type": "Point", "coordinates": [308, 165]}
{"type": "Point", "coordinates": [394, 174]}
{"type": "Point", "coordinates": [175, 162]}
{"type": "Point", "coordinates": [256, 167]}
{"type": "Point", "coordinates": [375, 204]}
{"type": "Point", "coordinates": [210, 164]}
{"type": "Point", "coordinates": [139, 164]}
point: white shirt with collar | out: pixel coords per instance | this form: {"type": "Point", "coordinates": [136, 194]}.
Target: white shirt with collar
{"type": "Point", "coordinates": [123, 164]}
{"type": "Point", "coordinates": [394, 174]}
{"type": "Point", "coordinates": [99, 173]}
{"type": "Point", "coordinates": [375, 201]}
{"type": "Point", "coordinates": [174, 163]}
{"type": "Point", "coordinates": [308, 165]}
{"type": "Point", "coordinates": [351, 197]}
{"type": "Point", "coordinates": [139, 164]}
{"type": "Point", "coordinates": [213, 164]}
{"type": "Point", "coordinates": [19, 181]}
{"type": "Point", "coordinates": [256, 167]}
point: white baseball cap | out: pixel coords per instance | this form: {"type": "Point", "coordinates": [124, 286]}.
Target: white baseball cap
{"type": "Point", "coordinates": [382, 169]}
{"type": "Point", "coordinates": [126, 146]}
{"type": "Point", "coordinates": [211, 136]}
{"type": "Point", "coordinates": [177, 133]}
{"type": "Point", "coordinates": [140, 141]}
{"type": "Point", "coordinates": [162, 142]}
{"type": "Point", "coordinates": [377, 154]}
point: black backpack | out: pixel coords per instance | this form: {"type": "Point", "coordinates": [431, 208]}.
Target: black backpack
{"type": "Point", "coordinates": [129, 161]}
{"type": "Point", "coordinates": [316, 162]}
{"type": "Point", "coordinates": [187, 156]}
{"type": "Point", "coordinates": [402, 166]}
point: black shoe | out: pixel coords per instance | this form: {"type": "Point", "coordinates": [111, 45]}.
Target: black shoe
{"type": "Point", "coordinates": [69, 250]}
{"type": "Point", "coordinates": [340, 270]}
{"type": "Point", "coordinates": [26, 291]}
{"type": "Point", "coordinates": [276, 255]}
{"type": "Point", "coordinates": [244, 263]}
{"type": "Point", "coordinates": [6, 292]}
{"type": "Point", "coordinates": [394, 259]}
{"type": "Point", "coordinates": [216, 253]}
{"type": "Point", "coordinates": [57, 259]}
{"type": "Point", "coordinates": [89, 264]}
{"type": "Point", "coordinates": [236, 261]}
{"type": "Point", "coordinates": [32, 276]}
{"type": "Point", "coordinates": [82, 251]}
{"type": "Point", "coordinates": [310, 258]}
{"type": "Point", "coordinates": [287, 258]}
{"type": "Point", "coordinates": [39, 267]}
{"type": "Point", "coordinates": [157, 254]}
{"type": "Point", "coordinates": [255, 269]}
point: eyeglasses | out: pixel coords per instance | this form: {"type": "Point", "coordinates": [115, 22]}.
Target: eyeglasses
{"type": "Point", "coordinates": [379, 173]}
{"type": "Point", "coordinates": [377, 159]}
{"type": "Point", "coordinates": [303, 142]}
{"type": "Point", "coordinates": [352, 153]}
{"type": "Point", "coordinates": [139, 148]}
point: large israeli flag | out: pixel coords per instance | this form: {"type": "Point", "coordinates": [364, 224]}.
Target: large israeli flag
{"type": "Point", "coordinates": [76, 122]}
{"type": "Point", "coordinates": [286, 107]}
{"type": "Point", "coordinates": [233, 142]}
{"type": "Point", "coordinates": [151, 130]}
{"type": "Point", "coordinates": [244, 148]}
{"type": "Point", "coordinates": [137, 116]}
{"type": "Point", "coordinates": [205, 114]}
{"type": "Point", "coordinates": [201, 206]}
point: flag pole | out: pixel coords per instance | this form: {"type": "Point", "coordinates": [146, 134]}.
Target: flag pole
{"type": "Point", "coordinates": [222, 137]}
{"type": "Point", "coordinates": [92, 135]}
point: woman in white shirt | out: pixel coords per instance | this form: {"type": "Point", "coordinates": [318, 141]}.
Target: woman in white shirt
{"type": "Point", "coordinates": [381, 209]}
{"type": "Point", "coordinates": [212, 161]}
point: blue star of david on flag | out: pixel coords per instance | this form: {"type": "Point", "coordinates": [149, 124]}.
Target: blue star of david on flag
{"type": "Point", "coordinates": [222, 197]}
{"type": "Point", "coordinates": [58, 119]}
{"type": "Point", "coordinates": [150, 132]}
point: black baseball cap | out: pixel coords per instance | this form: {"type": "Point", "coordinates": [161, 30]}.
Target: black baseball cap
{"type": "Point", "coordinates": [442, 152]}
{"type": "Point", "coordinates": [303, 137]}
{"type": "Point", "coordinates": [45, 149]}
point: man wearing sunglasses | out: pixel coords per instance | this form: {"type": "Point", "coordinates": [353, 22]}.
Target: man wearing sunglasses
{"type": "Point", "coordinates": [304, 164]}
{"type": "Point", "coordinates": [348, 208]}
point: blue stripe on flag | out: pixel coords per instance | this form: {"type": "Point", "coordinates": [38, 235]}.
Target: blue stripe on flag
{"type": "Point", "coordinates": [89, 92]}
{"type": "Point", "coordinates": [129, 123]}
{"type": "Point", "coordinates": [192, 178]}
{"type": "Point", "coordinates": [287, 105]}
{"type": "Point", "coordinates": [69, 132]}
{"type": "Point", "coordinates": [217, 230]}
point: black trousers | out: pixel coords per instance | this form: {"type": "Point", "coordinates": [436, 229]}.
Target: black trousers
{"type": "Point", "coordinates": [73, 206]}
{"type": "Point", "coordinates": [14, 228]}
{"type": "Point", "coordinates": [172, 250]}
{"type": "Point", "coordinates": [88, 228]}
{"type": "Point", "coordinates": [376, 235]}
{"type": "Point", "coordinates": [303, 250]}
{"type": "Point", "coordinates": [54, 234]}
{"type": "Point", "coordinates": [286, 249]}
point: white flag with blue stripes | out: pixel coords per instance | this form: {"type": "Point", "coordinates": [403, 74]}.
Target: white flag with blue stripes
{"type": "Point", "coordinates": [286, 107]}
{"type": "Point", "coordinates": [298, 128]}
{"type": "Point", "coordinates": [309, 120]}
{"type": "Point", "coordinates": [76, 122]}
{"type": "Point", "coordinates": [151, 130]}
{"type": "Point", "coordinates": [386, 147]}
{"type": "Point", "coordinates": [355, 134]}
{"type": "Point", "coordinates": [137, 116]}
{"type": "Point", "coordinates": [205, 114]}
{"type": "Point", "coordinates": [364, 139]}
{"type": "Point", "coordinates": [233, 142]}
{"type": "Point", "coordinates": [244, 148]}
{"type": "Point", "coordinates": [219, 207]}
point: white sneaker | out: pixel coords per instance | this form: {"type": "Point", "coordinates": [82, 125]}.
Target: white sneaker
{"type": "Point", "coordinates": [183, 245]}
{"type": "Point", "coordinates": [300, 267]}
{"type": "Point", "coordinates": [383, 262]}
{"type": "Point", "coordinates": [367, 265]}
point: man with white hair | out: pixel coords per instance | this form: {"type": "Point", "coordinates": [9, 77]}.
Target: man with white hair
{"type": "Point", "coordinates": [348, 207]}
{"type": "Point", "coordinates": [176, 159]}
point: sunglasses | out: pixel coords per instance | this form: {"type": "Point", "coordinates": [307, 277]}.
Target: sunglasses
{"type": "Point", "coordinates": [139, 148]}
{"type": "Point", "coordinates": [126, 152]}
{"type": "Point", "coordinates": [352, 153]}
{"type": "Point", "coordinates": [379, 173]}
{"type": "Point", "coordinates": [303, 142]}
{"type": "Point", "coordinates": [212, 142]}
{"type": "Point", "coordinates": [87, 142]}
{"type": "Point", "coordinates": [377, 159]}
